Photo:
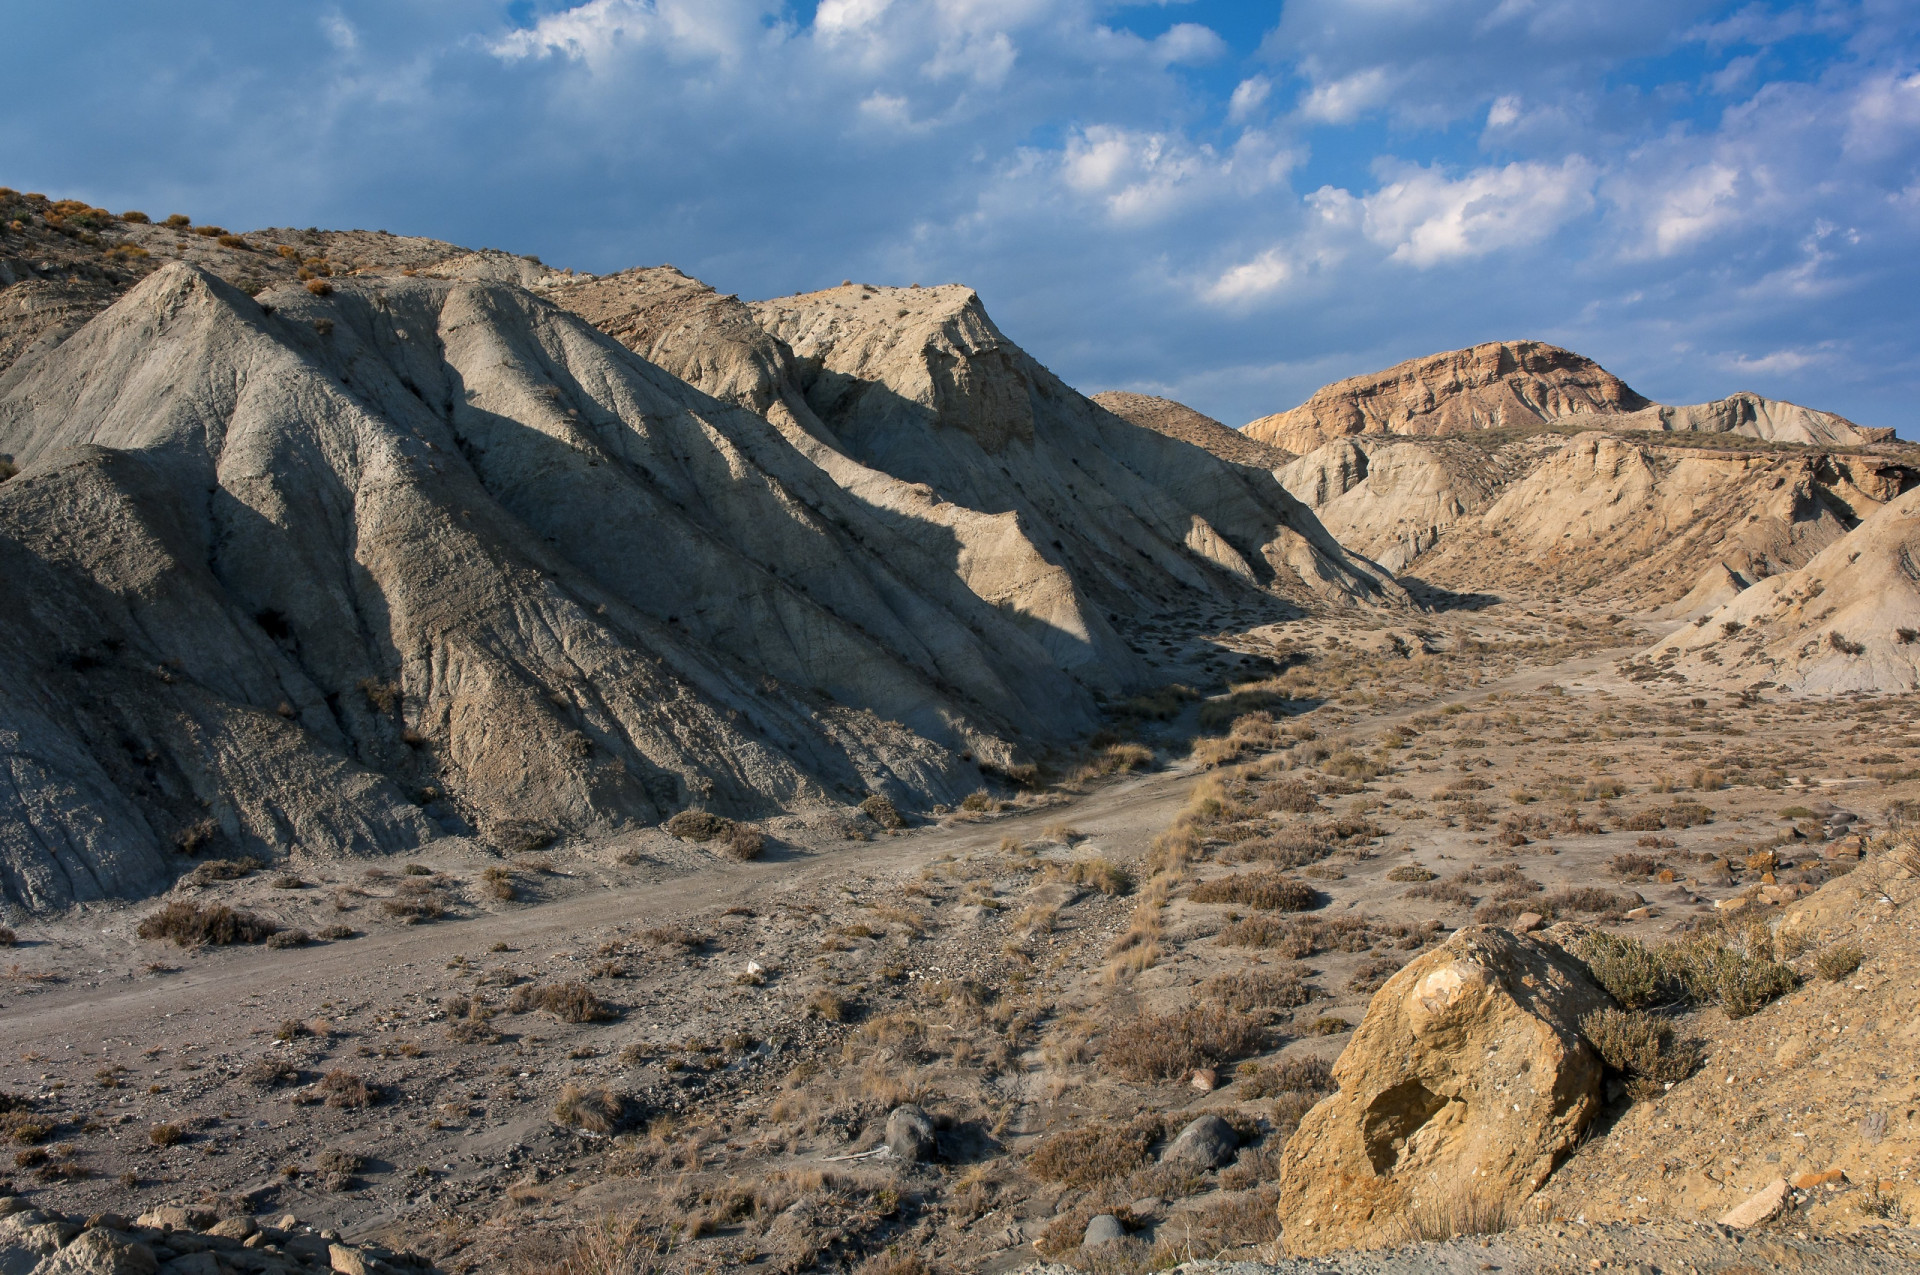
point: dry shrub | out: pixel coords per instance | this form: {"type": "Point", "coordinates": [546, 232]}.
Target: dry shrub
{"type": "Point", "coordinates": [1284, 936]}
{"type": "Point", "coordinates": [1411, 872]}
{"type": "Point", "coordinates": [595, 1110]}
{"type": "Point", "coordinates": [1634, 865]}
{"type": "Point", "coordinates": [337, 1166]}
{"type": "Point", "coordinates": [882, 811]}
{"type": "Point", "coordinates": [1311, 1076]}
{"type": "Point", "coordinates": [1289, 796]}
{"type": "Point", "coordinates": [189, 925]}
{"type": "Point", "coordinates": [698, 825]}
{"type": "Point", "coordinates": [1441, 892]}
{"type": "Point", "coordinates": [499, 883]}
{"type": "Point", "coordinates": [25, 1129]}
{"type": "Point", "coordinates": [1290, 848]}
{"type": "Point", "coordinates": [570, 1002]}
{"type": "Point", "coordinates": [166, 1135]}
{"type": "Point", "coordinates": [1642, 1045]}
{"type": "Point", "coordinates": [289, 938]}
{"type": "Point", "coordinates": [1089, 1156]}
{"type": "Point", "coordinates": [1837, 962]}
{"type": "Point", "coordinates": [1269, 891]}
{"type": "Point", "coordinates": [335, 933]}
{"type": "Point", "coordinates": [1256, 989]}
{"type": "Point", "coordinates": [223, 870]}
{"type": "Point", "coordinates": [830, 1007]}
{"type": "Point", "coordinates": [1587, 898]}
{"type": "Point", "coordinates": [1625, 967]}
{"type": "Point", "coordinates": [1168, 1046]}
{"type": "Point", "coordinates": [269, 1073]}
{"type": "Point", "coordinates": [1373, 974]}
{"type": "Point", "coordinates": [413, 909]}
{"type": "Point", "coordinates": [745, 842]}
{"type": "Point", "coordinates": [345, 1089]}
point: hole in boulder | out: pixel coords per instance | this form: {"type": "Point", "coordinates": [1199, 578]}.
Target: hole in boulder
{"type": "Point", "coordinates": [1394, 1117]}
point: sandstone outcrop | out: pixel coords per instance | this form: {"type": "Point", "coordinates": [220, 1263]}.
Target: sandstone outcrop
{"type": "Point", "coordinates": [1495, 385]}
{"type": "Point", "coordinates": [1468, 1079]}
{"type": "Point", "coordinates": [1523, 384]}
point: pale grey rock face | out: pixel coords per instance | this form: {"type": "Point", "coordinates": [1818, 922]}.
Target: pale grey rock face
{"type": "Point", "coordinates": [423, 555]}
{"type": "Point", "coordinates": [910, 1134]}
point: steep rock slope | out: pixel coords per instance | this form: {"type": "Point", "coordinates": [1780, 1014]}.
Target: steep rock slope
{"type": "Point", "coordinates": [332, 573]}
{"type": "Point", "coordinates": [1848, 620]}
{"type": "Point", "coordinates": [1392, 499]}
{"type": "Point", "coordinates": [1177, 420]}
{"type": "Point", "coordinates": [1512, 384]}
{"type": "Point", "coordinates": [1496, 385]}
{"type": "Point", "coordinates": [919, 383]}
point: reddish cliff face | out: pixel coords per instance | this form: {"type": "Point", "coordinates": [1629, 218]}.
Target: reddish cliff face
{"type": "Point", "coordinates": [1490, 386]}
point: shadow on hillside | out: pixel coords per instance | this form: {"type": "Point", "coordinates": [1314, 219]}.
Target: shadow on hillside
{"type": "Point", "coordinates": [1435, 598]}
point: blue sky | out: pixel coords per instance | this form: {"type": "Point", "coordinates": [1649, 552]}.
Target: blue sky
{"type": "Point", "coordinates": [1228, 203]}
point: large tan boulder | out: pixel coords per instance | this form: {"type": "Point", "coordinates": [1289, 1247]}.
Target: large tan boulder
{"type": "Point", "coordinates": [1465, 1084]}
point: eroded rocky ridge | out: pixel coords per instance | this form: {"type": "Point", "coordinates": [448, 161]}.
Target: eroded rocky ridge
{"type": "Point", "coordinates": [1177, 420]}
{"type": "Point", "coordinates": [1521, 384]}
{"type": "Point", "coordinates": [1594, 512]}
{"type": "Point", "coordinates": [344, 566]}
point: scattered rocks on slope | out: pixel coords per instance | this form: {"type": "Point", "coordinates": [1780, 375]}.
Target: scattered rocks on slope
{"type": "Point", "coordinates": [1465, 1083]}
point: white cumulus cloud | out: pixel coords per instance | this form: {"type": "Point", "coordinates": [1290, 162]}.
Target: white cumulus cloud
{"type": "Point", "coordinates": [1426, 217]}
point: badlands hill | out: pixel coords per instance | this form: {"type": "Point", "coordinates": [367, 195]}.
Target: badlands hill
{"type": "Point", "coordinates": [392, 544]}
{"type": "Point", "coordinates": [1620, 517]}
{"type": "Point", "coordinates": [1516, 384]}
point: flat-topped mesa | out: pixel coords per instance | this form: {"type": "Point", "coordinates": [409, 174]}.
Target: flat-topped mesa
{"type": "Point", "coordinates": [1494, 385]}
{"type": "Point", "coordinates": [1516, 384]}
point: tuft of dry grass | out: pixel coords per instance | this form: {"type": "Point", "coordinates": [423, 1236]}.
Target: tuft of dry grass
{"type": "Point", "coordinates": [190, 925]}
{"type": "Point", "coordinates": [1101, 875]}
{"type": "Point", "coordinates": [344, 1089]}
{"type": "Point", "coordinates": [1642, 1045]}
{"type": "Point", "coordinates": [595, 1110]}
{"type": "Point", "coordinates": [1462, 1213]}
{"type": "Point", "coordinates": [882, 812]}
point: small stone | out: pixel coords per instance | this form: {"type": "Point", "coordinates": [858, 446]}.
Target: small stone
{"type": "Point", "coordinates": [1206, 1079]}
{"type": "Point", "coordinates": [1146, 1206]}
{"type": "Point", "coordinates": [1808, 1181]}
{"type": "Point", "coordinates": [1101, 1228]}
{"type": "Point", "coordinates": [1528, 922]}
{"type": "Point", "coordinates": [910, 1134]}
{"type": "Point", "coordinates": [286, 1222]}
{"type": "Point", "coordinates": [1734, 904]}
{"type": "Point", "coordinates": [1667, 876]}
{"type": "Point", "coordinates": [1758, 1207]}
{"type": "Point", "coordinates": [192, 1264]}
{"type": "Point", "coordinates": [346, 1261]}
{"type": "Point", "coordinates": [233, 1228]}
{"type": "Point", "coordinates": [1639, 914]}
{"type": "Point", "coordinates": [1208, 1142]}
